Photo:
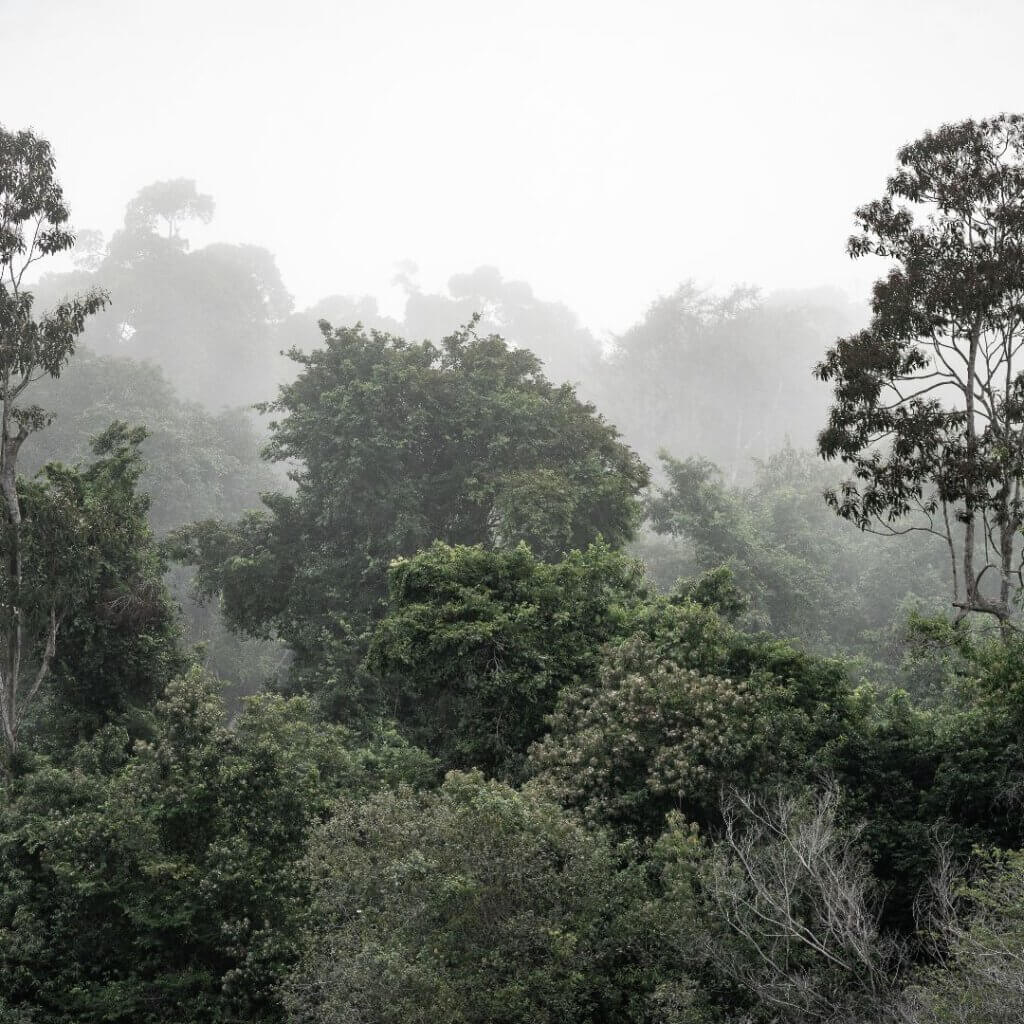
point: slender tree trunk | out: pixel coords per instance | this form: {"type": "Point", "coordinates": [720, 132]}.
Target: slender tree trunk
{"type": "Point", "coordinates": [970, 509]}
{"type": "Point", "coordinates": [13, 640]}
{"type": "Point", "coordinates": [1007, 531]}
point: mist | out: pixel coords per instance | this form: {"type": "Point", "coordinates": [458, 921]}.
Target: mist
{"type": "Point", "coordinates": [511, 513]}
{"type": "Point", "coordinates": [603, 158]}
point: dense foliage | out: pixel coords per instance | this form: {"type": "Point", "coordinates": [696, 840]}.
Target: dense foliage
{"type": "Point", "coordinates": [475, 903]}
{"type": "Point", "coordinates": [467, 443]}
{"type": "Point", "coordinates": [197, 464]}
{"type": "Point", "coordinates": [157, 881]}
{"type": "Point", "coordinates": [477, 644]}
{"type": "Point", "coordinates": [34, 344]}
{"type": "Point", "coordinates": [804, 572]}
{"type": "Point", "coordinates": [665, 726]}
{"type": "Point", "coordinates": [97, 568]}
{"type": "Point", "coordinates": [745, 767]}
{"type": "Point", "coordinates": [194, 464]}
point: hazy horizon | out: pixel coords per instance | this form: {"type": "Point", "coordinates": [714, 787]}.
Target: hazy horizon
{"type": "Point", "coordinates": [727, 145]}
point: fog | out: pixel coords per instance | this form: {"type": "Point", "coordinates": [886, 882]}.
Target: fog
{"type": "Point", "coordinates": [476, 547]}
{"type": "Point", "coordinates": [601, 153]}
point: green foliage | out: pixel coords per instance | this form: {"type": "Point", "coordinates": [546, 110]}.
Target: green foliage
{"type": "Point", "coordinates": [33, 225]}
{"type": "Point", "coordinates": [979, 928]}
{"type": "Point", "coordinates": [208, 319]}
{"type": "Point", "coordinates": [158, 882]}
{"type": "Point", "coordinates": [927, 405]}
{"type": "Point", "coordinates": [198, 465]}
{"type": "Point", "coordinates": [805, 573]}
{"type": "Point", "coordinates": [475, 903]}
{"type": "Point", "coordinates": [120, 643]}
{"type": "Point", "coordinates": [447, 576]}
{"type": "Point", "coordinates": [477, 644]}
{"type": "Point", "coordinates": [715, 589]}
{"type": "Point", "coordinates": [91, 580]}
{"type": "Point", "coordinates": [949, 772]}
{"type": "Point", "coordinates": [481, 435]}
{"type": "Point", "coordinates": [686, 707]}
{"type": "Point", "coordinates": [397, 445]}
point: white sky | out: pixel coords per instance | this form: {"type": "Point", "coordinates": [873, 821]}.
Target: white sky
{"type": "Point", "coordinates": [601, 151]}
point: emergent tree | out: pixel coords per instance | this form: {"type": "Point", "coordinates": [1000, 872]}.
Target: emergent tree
{"type": "Point", "coordinates": [929, 399]}
{"type": "Point", "coordinates": [33, 224]}
{"type": "Point", "coordinates": [394, 445]}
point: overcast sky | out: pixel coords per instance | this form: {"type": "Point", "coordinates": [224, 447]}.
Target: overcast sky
{"type": "Point", "coordinates": [601, 151]}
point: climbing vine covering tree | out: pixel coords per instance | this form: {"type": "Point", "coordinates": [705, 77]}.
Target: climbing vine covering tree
{"type": "Point", "coordinates": [395, 445]}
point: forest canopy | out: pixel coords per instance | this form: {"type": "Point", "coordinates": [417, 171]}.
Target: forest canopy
{"type": "Point", "coordinates": [459, 667]}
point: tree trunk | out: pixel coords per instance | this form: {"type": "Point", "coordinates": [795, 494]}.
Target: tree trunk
{"type": "Point", "coordinates": [13, 640]}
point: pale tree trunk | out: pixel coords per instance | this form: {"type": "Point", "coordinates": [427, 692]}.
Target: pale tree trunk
{"type": "Point", "coordinates": [1008, 524]}
{"type": "Point", "coordinates": [11, 655]}
{"type": "Point", "coordinates": [970, 512]}
{"type": "Point", "coordinates": [33, 224]}
{"type": "Point", "coordinates": [13, 698]}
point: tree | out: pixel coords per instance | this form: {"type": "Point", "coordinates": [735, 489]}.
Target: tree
{"type": "Point", "coordinates": [550, 330]}
{"type": "Point", "coordinates": [472, 904]}
{"type": "Point", "coordinates": [951, 767]}
{"type": "Point", "coordinates": [721, 378]}
{"type": "Point", "coordinates": [197, 464]}
{"type": "Point", "coordinates": [208, 317]}
{"type": "Point", "coordinates": [393, 446]}
{"type": "Point", "coordinates": [806, 573]}
{"type": "Point", "coordinates": [801, 912]}
{"type": "Point", "coordinates": [33, 221]}
{"type": "Point", "coordinates": [476, 645]}
{"type": "Point", "coordinates": [173, 202]}
{"type": "Point", "coordinates": [94, 567]}
{"type": "Point", "coordinates": [929, 399]}
{"type": "Point", "coordinates": [686, 707]}
{"type": "Point", "coordinates": [158, 882]}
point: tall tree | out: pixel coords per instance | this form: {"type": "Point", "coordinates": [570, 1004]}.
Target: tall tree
{"type": "Point", "coordinates": [172, 202]}
{"type": "Point", "coordinates": [208, 317]}
{"type": "Point", "coordinates": [722, 378]}
{"type": "Point", "coordinates": [929, 399]}
{"type": "Point", "coordinates": [395, 445]}
{"type": "Point", "coordinates": [33, 225]}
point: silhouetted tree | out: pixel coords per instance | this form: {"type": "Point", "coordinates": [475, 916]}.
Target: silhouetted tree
{"type": "Point", "coordinates": [929, 399]}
